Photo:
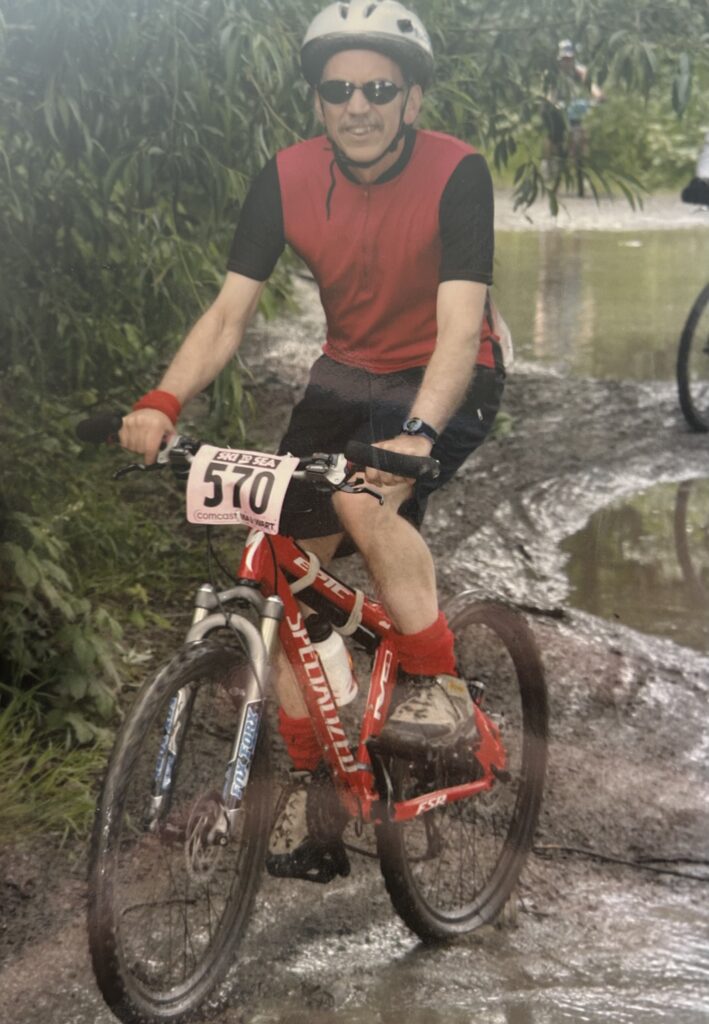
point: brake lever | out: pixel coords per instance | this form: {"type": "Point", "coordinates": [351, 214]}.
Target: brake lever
{"type": "Point", "coordinates": [361, 489]}
{"type": "Point", "coordinates": [162, 460]}
{"type": "Point", "coordinates": [370, 491]}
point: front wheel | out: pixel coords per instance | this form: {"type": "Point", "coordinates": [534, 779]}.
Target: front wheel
{"type": "Point", "coordinates": [693, 365]}
{"type": "Point", "coordinates": [452, 869]}
{"type": "Point", "coordinates": [171, 884]}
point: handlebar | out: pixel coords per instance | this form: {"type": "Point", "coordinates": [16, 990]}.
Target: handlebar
{"type": "Point", "coordinates": [101, 428]}
{"type": "Point", "coordinates": [414, 467]}
{"type": "Point", "coordinates": [332, 471]}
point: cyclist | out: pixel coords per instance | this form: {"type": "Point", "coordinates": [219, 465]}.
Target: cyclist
{"type": "Point", "coordinates": [697, 191]}
{"type": "Point", "coordinates": [565, 107]}
{"type": "Point", "coordinates": [396, 225]}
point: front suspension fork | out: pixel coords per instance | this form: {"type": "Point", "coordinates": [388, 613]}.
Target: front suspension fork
{"type": "Point", "coordinates": [260, 644]}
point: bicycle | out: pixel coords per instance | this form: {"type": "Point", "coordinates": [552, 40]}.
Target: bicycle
{"type": "Point", "coordinates": [566, 144]}
{"type": "Point", "coordinates": [693, 364]}
{"type": "Point", "coordinates": [184, 815]}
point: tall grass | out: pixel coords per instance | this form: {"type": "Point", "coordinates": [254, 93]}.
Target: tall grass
{"type": "Point", "coordinates": [45, 788]}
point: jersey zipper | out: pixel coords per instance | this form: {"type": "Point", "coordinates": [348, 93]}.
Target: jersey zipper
{"type": "Point", "coordinates": [366, 240]}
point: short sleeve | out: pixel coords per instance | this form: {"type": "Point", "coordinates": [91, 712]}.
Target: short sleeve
{"type": "Point", "coordinates": [466, 219]}
{"type": "Point", "coordinates": [259, 239]}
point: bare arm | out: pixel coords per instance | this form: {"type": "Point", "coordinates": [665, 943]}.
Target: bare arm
{"type": "Point", "coordinates": [206, 350]}
{"type": "Point", "coordinates": [459, 312]}
{"type": "Point", "coordinates": [460, 309]}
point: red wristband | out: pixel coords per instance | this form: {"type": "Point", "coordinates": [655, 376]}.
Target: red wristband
{"type": "Point", "coordinates": [162, 401]}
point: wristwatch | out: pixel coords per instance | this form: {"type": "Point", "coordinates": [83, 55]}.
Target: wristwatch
{"type": "Point", "coordinates": [416, 427]}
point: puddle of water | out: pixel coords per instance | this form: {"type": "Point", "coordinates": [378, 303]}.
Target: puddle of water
{"type": "Point", "coordinates": [600, 304]}
{"type": "Point", "coordinates": [656, 974]}
{"type": "Point", "coordinates": [645, 563]}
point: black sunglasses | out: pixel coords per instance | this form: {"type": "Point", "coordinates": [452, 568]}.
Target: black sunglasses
{"type": "Point", "coordinates": [380, 91]}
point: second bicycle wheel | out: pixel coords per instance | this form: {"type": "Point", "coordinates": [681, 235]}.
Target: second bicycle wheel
{"type": "Point", "coordinates": [693, 365]}
{"type": "Point", "coordinates": [170, 892]}
{"type": "Point", "coordinates": [452, 869]}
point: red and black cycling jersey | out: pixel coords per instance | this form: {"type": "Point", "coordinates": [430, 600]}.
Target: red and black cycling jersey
{"type": "Point", "coordinates": [377, 252]}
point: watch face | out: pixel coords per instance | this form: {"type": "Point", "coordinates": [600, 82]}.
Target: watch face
{"type": "Point", "coordinates": [413, 425]}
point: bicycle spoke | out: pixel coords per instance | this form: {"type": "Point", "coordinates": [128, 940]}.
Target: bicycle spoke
{"type": "Point", "coordinates": [174, 900]}
{"type": "Point", "coordinates": [452, 868]}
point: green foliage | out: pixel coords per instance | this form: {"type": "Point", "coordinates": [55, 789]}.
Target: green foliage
{"type": "Point", "coordinates": [648, 142]}
{"type": "Point", "coordinates": [129, 134]}
{"type": "Point", "coordinates": [44, 788]}
{"type": "Point", "coordinates": [68, 560]}
{"type": "Point", "coordinates": [49, 632]}
{"type": "Point", "coordinates": [497, 65]}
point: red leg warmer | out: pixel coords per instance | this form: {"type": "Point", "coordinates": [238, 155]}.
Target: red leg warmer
{"type": "Point", "coordinates": [300, 740]}
{"type": "Point", "coordinates": [430, 652]}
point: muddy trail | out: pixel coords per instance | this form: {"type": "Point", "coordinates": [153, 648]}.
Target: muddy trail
{"type": "Point", "coordinates": [612, 918]}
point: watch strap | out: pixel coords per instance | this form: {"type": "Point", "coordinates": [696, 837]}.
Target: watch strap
{"type": "Point", "coordinates": [416, 427]}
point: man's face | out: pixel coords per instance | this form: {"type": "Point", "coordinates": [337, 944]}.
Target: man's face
{"type": "Point", "coordinates": [361, 129]}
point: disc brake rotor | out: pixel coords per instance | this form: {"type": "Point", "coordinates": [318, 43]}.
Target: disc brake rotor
{"type": "Point", "coordinates": [205, 839]}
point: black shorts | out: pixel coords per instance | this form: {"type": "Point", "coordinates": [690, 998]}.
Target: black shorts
{"type": "Point", "coordinates": [344, 403]}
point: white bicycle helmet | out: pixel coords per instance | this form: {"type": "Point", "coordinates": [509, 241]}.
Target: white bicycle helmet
{"type": "Point", "coordinates": [382, 25]}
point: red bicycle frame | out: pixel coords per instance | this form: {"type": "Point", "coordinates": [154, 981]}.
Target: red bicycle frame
{"type": "Point", "coordinates": [267, 562]}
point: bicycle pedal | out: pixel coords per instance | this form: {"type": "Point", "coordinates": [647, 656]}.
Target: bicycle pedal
{"type": "Point", "coordinates": [311, 862]}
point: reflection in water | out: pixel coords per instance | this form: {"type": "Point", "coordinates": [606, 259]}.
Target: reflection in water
{"type": "Point", "coordinates": [692, 537]}
{"type": "Point", "coordinates": [598, 303]}
{"type": "Point", "coordinates": [564, 303]}
{"type": "Point", "coordinates": [645, 563]}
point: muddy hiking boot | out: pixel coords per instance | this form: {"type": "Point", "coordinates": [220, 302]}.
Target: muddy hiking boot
{"type": "Point", "coordinates": [435, 716]}
{"type": "Point", "coordinates": [306, 838]}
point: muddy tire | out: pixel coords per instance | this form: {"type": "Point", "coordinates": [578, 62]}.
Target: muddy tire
{"type": "Point", "coordinates": [452, 870]}
{"type": "Point", "coordinates": [168, 904]}
{"type": "Point", "coordinates": [693, 365]}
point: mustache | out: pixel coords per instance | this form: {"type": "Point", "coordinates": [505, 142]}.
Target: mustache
{"type": "Point", "coordinates": [359, 124]}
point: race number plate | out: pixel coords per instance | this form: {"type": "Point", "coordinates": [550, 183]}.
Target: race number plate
{"type": "Point", "coordinates": [228, 486]}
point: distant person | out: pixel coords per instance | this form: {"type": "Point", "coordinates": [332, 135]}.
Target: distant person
{"type": "Point", "coordinates": [565, 107]}
{"type": "Point", "coordinates": [578, 73]}
{"type": "Point", "coordinates": [698, 189]}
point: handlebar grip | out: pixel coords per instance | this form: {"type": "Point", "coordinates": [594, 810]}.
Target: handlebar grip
{"type": "Point", "coordinates": [99, 428]}
{"type": "Point", "coordinates": [411, 466]}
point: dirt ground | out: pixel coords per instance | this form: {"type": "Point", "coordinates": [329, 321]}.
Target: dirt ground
{"type": "Point", "coordinates": [613, 921]}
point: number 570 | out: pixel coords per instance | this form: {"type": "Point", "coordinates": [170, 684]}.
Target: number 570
{"type": "Point", "coordinates": [256, 495]}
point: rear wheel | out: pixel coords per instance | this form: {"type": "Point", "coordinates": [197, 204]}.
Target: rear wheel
{"type": "Point", "coordinates": [170, 894]}
{"type": "Point", "coordinates": [451, 870]}
{"type": "Point", "coordinates": [693, 365]}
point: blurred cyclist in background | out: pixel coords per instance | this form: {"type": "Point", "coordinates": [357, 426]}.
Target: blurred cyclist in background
{"type": "Point", "coordinates": [565, 107]}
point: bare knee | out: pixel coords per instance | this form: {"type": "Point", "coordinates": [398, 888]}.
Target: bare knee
{"type": "Point", "coordinates": [363, 517]}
